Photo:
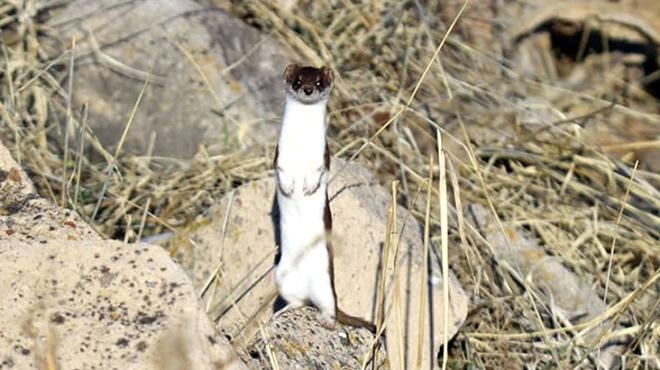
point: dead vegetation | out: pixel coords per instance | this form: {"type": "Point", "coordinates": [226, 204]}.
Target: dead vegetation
{"type": "Point", "coordinates": [521, 145]}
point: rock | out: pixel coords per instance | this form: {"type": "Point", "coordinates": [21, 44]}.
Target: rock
{"type": "Point", "coordinates": [74, 301]}
{"type": "Point", "coordinates": [239, 246]}
{"type": "Point", "coordinates": [319, 348]}
{"type": "Point", "coordinates": [633, 25]}
{"type": "Point", "coordinates": [101, 304]}
{"type": "Point", "coordinates": [561, 289]}
{"type": "Point", "coordinates": [550, 42]}
{"type": "Point", "coordinates": [26, 217]}
{"type": "Point", "coordinates": [230, 95]}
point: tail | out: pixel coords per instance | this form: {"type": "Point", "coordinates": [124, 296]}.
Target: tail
{"type": "Point", "coordinates": [355, 322]}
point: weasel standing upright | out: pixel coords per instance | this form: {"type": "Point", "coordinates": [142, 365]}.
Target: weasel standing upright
{"type": "Point", "coordinates": [304, 273]}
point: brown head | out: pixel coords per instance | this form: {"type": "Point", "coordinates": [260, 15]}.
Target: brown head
{"type": "Point", "coordinates": [307, 84]}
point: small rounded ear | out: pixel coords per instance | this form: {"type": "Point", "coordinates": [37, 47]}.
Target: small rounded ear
{"type": "Point", "coordinates": [290, 71]}
{"type": "Point", "coordinates": [328, 76]}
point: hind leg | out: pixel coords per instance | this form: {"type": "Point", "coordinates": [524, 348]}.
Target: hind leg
{"type": "Point", "coordinates": [323, 297]}
{"type": "Point", "coordinates": [291, 286]}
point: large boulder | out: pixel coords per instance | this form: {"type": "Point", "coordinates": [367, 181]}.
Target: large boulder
{"type": "Point", "coordinates": [74, 301]}
{"type": "Point", "coordinates": [214, 80]}
{"type": "Point", "coordinates": [104, 305]}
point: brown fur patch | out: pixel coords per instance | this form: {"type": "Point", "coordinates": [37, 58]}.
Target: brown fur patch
{"type": "Point", "coordinates": [308, 77]}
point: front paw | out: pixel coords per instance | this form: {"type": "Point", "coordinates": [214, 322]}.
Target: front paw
{"type": "Point", "coordinates": [286, 190]}
{"type": "Point", "coordinates": [285, 183]}
{"type": "Point", "coordinates": [310, 187]}
{"type": "Point", "coordinates": [313, 180]}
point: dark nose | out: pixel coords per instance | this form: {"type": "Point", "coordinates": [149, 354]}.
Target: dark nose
{"type": "Point", "coordinates": [308, 90]}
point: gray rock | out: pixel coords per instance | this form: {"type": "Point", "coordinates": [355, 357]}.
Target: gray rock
{"type": "Point", "coordinates": [216, 81]}
{"type": "Point", "coordinates": [280, 342]}
{"type": "Point", "coordinates": [73, 301]}
{"type": "Point", "coordinates": [101, 305]}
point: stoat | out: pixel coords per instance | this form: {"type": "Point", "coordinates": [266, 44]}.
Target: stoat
{"type": "Point", "coordinates": [305, 271]}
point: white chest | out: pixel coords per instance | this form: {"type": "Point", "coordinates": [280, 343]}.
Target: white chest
{"type": "Point", "coordinates": [301, 146]}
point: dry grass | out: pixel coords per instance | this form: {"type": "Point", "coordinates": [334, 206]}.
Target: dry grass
{"type": "Point", "coordinates": [513, 143]}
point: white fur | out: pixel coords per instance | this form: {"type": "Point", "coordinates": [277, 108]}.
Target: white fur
{"type": "Point", "coordinates": [302, 274]}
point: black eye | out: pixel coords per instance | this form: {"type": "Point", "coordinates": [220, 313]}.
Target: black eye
{"type": "Point", "coordinates": [318, 84]}
{"type": "Point", "coordinates": [296, 84]}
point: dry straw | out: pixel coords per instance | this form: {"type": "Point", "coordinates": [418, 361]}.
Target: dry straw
{"type": "Point", "coordinates": [512, 142]}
